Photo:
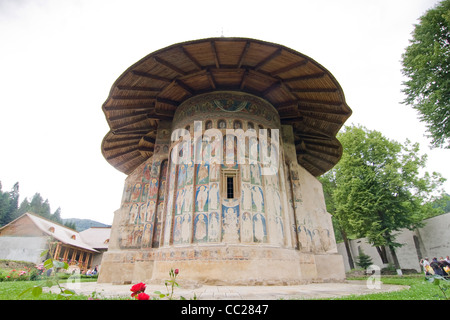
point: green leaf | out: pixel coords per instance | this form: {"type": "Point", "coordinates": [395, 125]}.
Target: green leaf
{"type": "Point", "coordinates": [44, 253]}
{"type": "Point", "coordinates": [37, 290]}
{"type": "Point", "coordinates": [48, 264]}
{"type": "Point", "coordinates": [49, 283]}
{"type": "Point", "coordinates": [25, 291]}
{"type": "Point", "coordinates": [69, 292]}
{"type": "Point", "coordinates": [60, 264]}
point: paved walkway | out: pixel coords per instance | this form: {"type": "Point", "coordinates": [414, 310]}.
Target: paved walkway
{"type": "Point", "coordinates": [207, 292]}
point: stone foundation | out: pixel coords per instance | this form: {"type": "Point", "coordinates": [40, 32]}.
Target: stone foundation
{"type": "Point", "coordinates": [221, 265]}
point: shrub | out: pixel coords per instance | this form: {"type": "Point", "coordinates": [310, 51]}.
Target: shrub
{"type": "Point", "coordinates": [363, 260]}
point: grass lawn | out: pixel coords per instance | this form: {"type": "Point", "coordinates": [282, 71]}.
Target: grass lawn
{"type": "Point", "coordinates": [10, 290]}
{"type": "Point", "coordinates": [420, 289]}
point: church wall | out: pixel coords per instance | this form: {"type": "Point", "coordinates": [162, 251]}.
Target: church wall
{"type": "Point", "coordinates": [312, 222]}
{"type": "Point", "coordinates": [273, 229]}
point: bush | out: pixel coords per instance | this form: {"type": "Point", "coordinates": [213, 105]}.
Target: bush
{"type": "Point", "coordinates": [16, 275]}
{"type": "Point", "coordinates": [363, 260]}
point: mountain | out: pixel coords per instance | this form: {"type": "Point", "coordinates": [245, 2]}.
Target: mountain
{"type": "Point", "coordinates": [83, 224]}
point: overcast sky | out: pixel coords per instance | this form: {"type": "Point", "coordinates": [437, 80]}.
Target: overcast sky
{"type": "Point", "coordinates": [59, 59]}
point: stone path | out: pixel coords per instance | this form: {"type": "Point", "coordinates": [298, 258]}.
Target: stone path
{"type": "Point", "coordinates": [207, 292]}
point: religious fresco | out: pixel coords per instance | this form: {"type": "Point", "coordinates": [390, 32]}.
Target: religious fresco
{"type": "Point", "coordinates": [214, 196]}
{"type": "Point", "coordinates": [255, 171]}
{"type": "Point", "coordinates": [126, 193]}
{"type": "Point", "coordinates": [145, 202]}
{"type": "Point", "coordinates": [230, 224]}
{"type": "Point", "coordinates": [245, 172]}
{"type": "Point", "coordinates": [136, 192]}
{"type": "Point", "coordinates": [214, 172]}
{"type": "Point", "coordinates": [257, 199]}
{"type": "Point", "coordinates": [145, 192]}
{"type": "Point", "coordinates": [213, 227]}
{"type": "Point", "coordinates": [155, 222]}
{"type": "Point", "coordinates": [193, 210]}
{"type": "Point", "coordinates": [147, 173]}
{"type": "Point", "coordinates": [228, 103]}
{"type": "Point", "coordinates": [201, 198]}
{"type": "Point", "coordinates": [246, 198]}
{"type": "Point", "coordinates": [202, 173]}
{"type": "Point", "coordinates": [182, 221]}
{"type": "Point", "coordinates": [246, 227]}
{"type": "Point", "coordinates": [201, 227]}
{"type": "Point", "coordinates": [259, 228]}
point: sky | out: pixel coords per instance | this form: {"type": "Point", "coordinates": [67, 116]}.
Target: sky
{"type": "Point", "coordinates": [59, 59]}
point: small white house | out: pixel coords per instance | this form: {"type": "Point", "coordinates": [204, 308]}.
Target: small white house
{"type": "Point", "coordinates": [26, 237]}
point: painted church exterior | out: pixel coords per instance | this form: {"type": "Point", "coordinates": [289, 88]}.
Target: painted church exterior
{"type": "Point", "coordinates": [221, 186]}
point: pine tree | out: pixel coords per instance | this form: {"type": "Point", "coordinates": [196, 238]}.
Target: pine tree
{"type": "Point", "coordinates": [363, 260]}
{"type": "Point", "coordinates": [8, 204]}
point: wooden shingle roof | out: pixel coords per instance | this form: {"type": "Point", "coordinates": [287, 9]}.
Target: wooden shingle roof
{"type": "Point", "coordinates": [305, 94]}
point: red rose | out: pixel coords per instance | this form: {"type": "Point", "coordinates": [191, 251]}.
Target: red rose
{"type": "Point", "coordinates": [143, 296]}
{"type": "Point", "coordinates": [176, 271]}
{"type": "Point", "coordinates": [138, 288]}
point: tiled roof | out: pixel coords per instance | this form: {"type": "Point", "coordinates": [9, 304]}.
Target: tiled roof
{"type": "Point", "coordinates": [96, 237]}
{"type": "Point", "coordinates": [59, 232]}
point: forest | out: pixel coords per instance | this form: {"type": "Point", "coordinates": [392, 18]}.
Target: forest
{"type": "Point", "coordinates": [10, 208]}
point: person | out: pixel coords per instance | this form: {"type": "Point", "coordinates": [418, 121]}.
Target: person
{"type": "Point", "coordinates": [437, 268]}
{"type": "Point", "coordinates": [95, 271]}
{"type": "Point", "coordinates": [426, 267]}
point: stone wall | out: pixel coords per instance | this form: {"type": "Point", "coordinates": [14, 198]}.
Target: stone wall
{"type": "Point", "coordinates": [22, 248]}
{"type": "Point", "coordinates": [432, 240]}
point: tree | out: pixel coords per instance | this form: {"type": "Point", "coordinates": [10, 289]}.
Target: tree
{"type": "Point", "coordinates": [363, 260]}
{"type": "Point", "coordinates": [4, 207]}
{"type": "Point", "coordinates": [8, 204]}
{"type": "Point", "coordinates": [378, 187]}
{"type": "Point", "coordinates": [10, 209]}
{"type": "Point", "coordinates": [329, 185]}
{"type": "Point", "coordinates": [40, 207]}
{"type": "Point", "coordinates": [442, 204]}
{"type": "Point", "coordinates": [426, 63]}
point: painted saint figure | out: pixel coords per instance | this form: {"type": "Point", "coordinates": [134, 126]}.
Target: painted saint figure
{"type": "Point", "coordinates": [259, 228]}
{"type": "Point", "coordinates": [202, 198]}
{"type": "Point", "coordinates": [201, 227]}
